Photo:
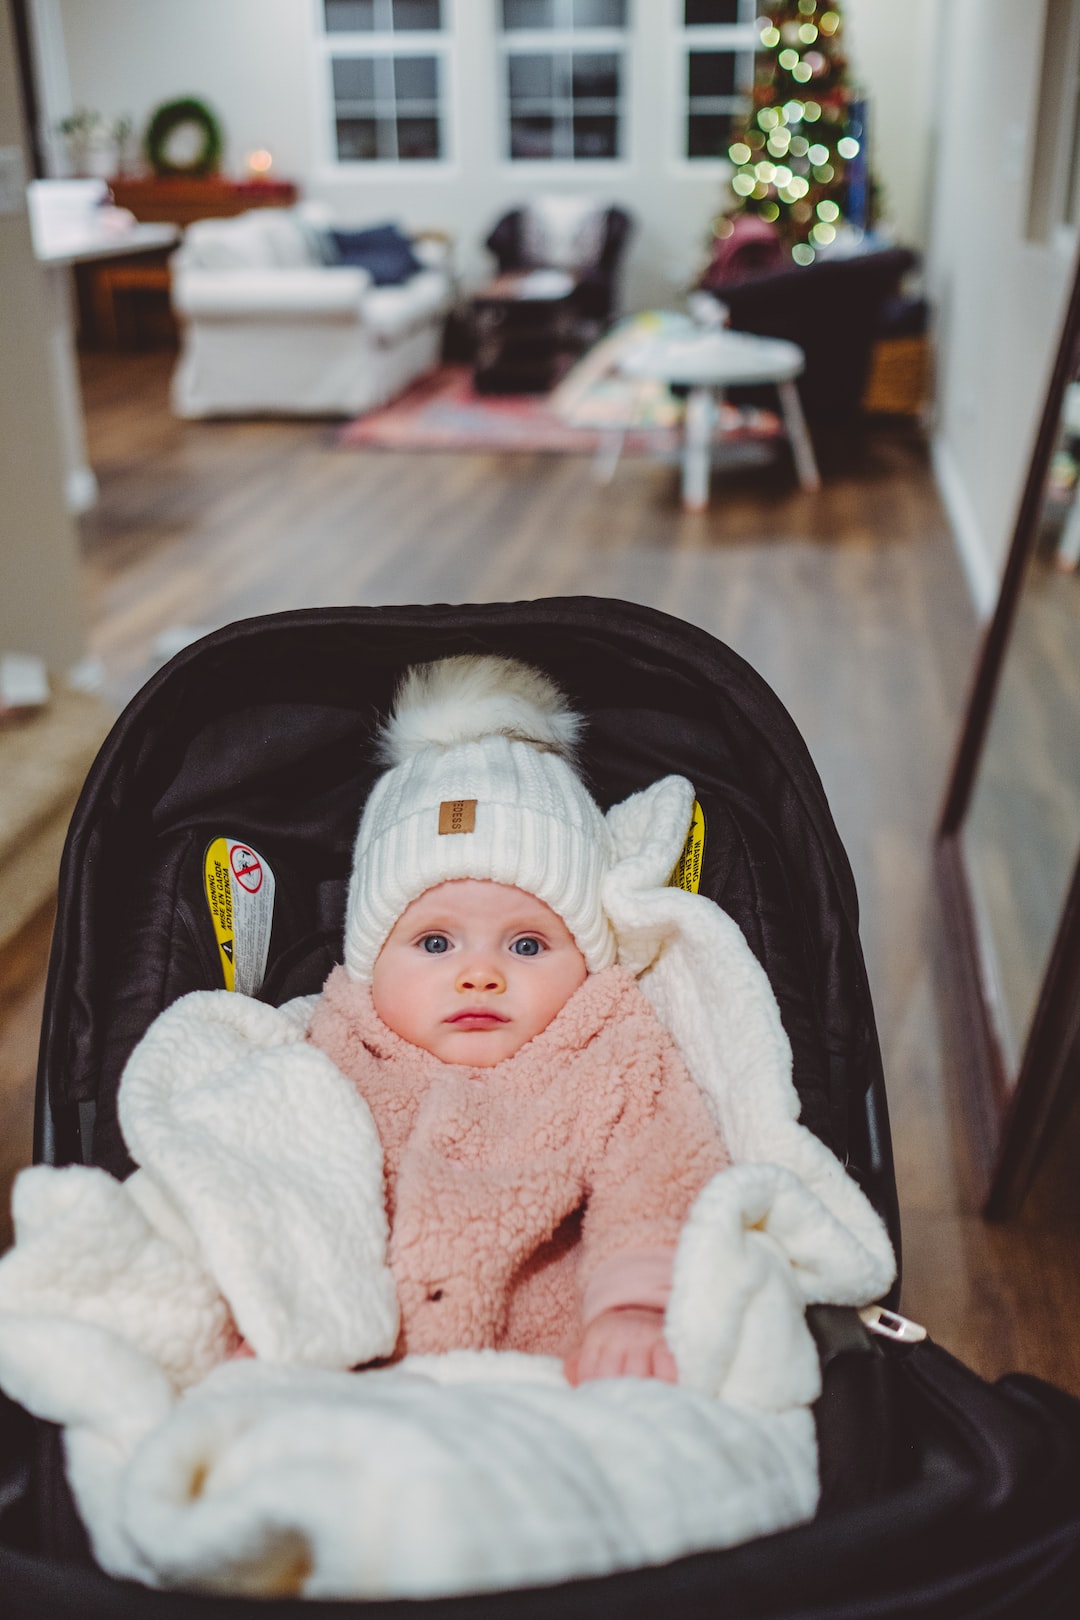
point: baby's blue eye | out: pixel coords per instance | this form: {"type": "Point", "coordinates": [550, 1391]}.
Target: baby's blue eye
{"type": "Point", "coordinates": [435, 944]}
{"type": "Point", "coordinates": [527, 946]}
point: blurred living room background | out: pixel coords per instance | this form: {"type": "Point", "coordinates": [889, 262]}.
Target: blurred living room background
{"type": "Point", "coordinates": [744, 310]}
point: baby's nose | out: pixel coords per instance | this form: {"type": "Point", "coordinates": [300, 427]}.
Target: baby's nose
{"type": "Point", "coordinates": [481, 976]}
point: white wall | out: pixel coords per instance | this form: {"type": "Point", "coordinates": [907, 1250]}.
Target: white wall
{"type": "Point", "coordinates": [246, 58]}
{"type": "Point", "coordinates": [39, 567]}
{"type": "Point", "coordinates": [954, 88]}
{"type": "Point", "coordinates": [891, 53]}
{"type": "Point", "coordinates": [999, 297]}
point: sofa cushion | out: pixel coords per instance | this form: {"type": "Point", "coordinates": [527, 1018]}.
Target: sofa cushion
{"type": "Point", "coordinates": [286, 238]}
{"type": "Point", "coordinates": [382, 250]}
{"type": "Point", "coordinates": [563, 233]}
{"type": "Point", "coordinates": [308, 293]}
{"type": "Point", "coordinates": [320, 243]}
{"type": "Point", "coordinates": [392, 313]}
{"type": "Point", "coordinates": [262, 239]}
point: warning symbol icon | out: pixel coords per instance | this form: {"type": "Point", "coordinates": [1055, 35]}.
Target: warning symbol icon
{"type": "Point", "coordinates": [247, 867]}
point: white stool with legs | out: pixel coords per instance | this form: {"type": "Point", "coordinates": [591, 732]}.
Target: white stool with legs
{"type": "Point", "coordinates": [707, 362]}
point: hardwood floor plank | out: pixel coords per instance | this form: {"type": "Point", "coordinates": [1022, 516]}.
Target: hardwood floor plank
{"type": "Point", "coordinates": [23, 963]}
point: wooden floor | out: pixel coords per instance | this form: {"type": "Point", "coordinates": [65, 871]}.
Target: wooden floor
{"type": "Point", "coordinates": [850, 602]}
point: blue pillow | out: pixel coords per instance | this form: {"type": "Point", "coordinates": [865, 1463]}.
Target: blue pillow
{"type": "Point", "coordinates": [382, 250]}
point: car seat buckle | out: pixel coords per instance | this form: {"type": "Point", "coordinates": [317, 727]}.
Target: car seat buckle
{"type": "Point", "coordinates": [890, 1325]}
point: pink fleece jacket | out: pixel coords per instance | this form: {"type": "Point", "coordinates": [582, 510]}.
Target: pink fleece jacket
{"type": "Point", "coordinates": [526, 1198]}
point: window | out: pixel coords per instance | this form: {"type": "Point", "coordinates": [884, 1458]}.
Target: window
{"type": "Point", "coordinates": [564, 65]}
{"type": "Point", "coordinates": [386, 62]}
{"type": "Point", "coordinates": [717, 40]}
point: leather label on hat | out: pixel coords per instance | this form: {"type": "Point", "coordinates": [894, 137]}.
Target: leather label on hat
{"type": "Point", "coordinates": [457, 816]}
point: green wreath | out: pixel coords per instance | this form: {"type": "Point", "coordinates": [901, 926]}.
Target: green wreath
{"type": "Point", "coordinates": [168, 118]}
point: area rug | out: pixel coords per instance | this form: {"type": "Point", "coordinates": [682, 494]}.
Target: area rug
{"type": "Point", "coordinates": [444, 412]}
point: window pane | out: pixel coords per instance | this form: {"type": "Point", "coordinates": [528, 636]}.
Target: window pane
{"type": "Point", "coordinates": [563, 14]}
{"type": "Point", "coordinates": [416, 14]}
{"type": "Point", "coordinates": [596, 76]}
{"type": "Point", "coordinates": [357, 140]}
{"type": "Point", "coordinates": [528, 14]}
{"type": "Point", "coordinates": [532, 137]}
{"type": "Point", "coordinates": [416, 78]}
{"type": "Point", "coordinates": [708, 135]}
{"type": "Point", "coordinates": [599, 13]}
{"type": "Point", "coordinates": [354, 78]}
{"type": "Point", "coordinates": [349, 16]}
{"type": "Point", "coordinates": [531, 77]}
{"type": "Point", "coordinates": [711, 73]}
{"type": "Point", "coordinates": [705, 13]}
{"type": "Point", "coordinates": [564, 105]}
{"type": "Point", "coordinates": [596, 137]}
{"type": "Point", "coordinates": [418, 138]}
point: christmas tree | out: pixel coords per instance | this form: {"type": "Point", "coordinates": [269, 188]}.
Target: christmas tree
{"type": "Point", "coordinates": [798, 163]}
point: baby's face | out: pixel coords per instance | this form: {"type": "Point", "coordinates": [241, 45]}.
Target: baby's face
{"type": "Point", "coordinates": [473, 970]}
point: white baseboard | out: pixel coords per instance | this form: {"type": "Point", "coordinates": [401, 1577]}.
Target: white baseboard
{"type": "Point", "coordinates": [979, 572]}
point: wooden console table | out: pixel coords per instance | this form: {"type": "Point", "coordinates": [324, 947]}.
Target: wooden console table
{"type": "Point", "coordinates": [180, 199]}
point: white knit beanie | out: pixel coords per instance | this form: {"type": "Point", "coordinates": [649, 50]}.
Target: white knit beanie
{"type": "Point", "coordinates": [480, 785]}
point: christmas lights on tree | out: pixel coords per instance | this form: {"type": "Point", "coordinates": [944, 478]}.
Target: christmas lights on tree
{"type": "Point", "coordinates": [798, 163]}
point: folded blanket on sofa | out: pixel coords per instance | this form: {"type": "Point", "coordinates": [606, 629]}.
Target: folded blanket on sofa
{"type": "Point", "coordinates": [258, 1207]}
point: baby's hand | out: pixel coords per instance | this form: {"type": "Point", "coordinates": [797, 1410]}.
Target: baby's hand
{"type": "Point", "coordinates": [239, 1349]}
{"type": "Point", "coordinates": [627, 1342]}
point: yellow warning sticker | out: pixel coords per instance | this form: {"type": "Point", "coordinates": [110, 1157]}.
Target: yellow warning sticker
{"type": "Point", "coordinates": [240, 895]}
{"type": "Point", "coordinates": [687, 873]}
{"type": "Point", "coordinates": [219, 899]}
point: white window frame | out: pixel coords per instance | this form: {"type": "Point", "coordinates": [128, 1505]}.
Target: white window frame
{"type": "Point", "coordinates": [327, 45]}
{"type": "Point", "coordinates": [743, 36]}
{"type": "Point", "coordinates": [618, 42]}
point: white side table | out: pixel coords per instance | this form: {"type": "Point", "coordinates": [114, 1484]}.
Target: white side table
{"type": "Point", "coordinates": [708, 362]}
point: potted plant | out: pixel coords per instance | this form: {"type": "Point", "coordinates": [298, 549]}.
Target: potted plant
{"type": "Point", "coordinates": [122, 133]}
{"type": "Point", "coordinates": [85, 135]}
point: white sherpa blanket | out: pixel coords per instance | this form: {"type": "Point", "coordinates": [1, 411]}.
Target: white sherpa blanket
{"type": "Point", "coordinates": [258, 1206]}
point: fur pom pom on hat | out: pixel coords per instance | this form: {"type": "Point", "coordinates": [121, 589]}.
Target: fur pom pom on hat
{"type": "Point", "coordinates": [460, 700]}
{"type": "Point", "coordinates": [481, 784]}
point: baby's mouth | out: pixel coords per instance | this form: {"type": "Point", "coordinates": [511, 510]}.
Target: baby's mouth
{"type": "Point", "coordinates": [477, 1018]}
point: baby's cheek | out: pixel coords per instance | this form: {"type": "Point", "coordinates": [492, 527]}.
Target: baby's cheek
{"type": "Point", "coordinates": [403, 1006]}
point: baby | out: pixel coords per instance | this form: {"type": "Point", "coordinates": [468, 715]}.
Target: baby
{"type": "Point", "coordinates": [543, 1142]}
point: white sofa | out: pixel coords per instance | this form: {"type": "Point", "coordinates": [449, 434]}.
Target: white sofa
{"type": "Point", "coordinates": [269, 328]}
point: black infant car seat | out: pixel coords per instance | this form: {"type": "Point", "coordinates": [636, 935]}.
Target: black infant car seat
{"type": "Point", "coordinates": [941, 1495]}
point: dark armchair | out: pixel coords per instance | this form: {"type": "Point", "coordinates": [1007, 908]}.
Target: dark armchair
{"type": "Point", "coordinates": [595, 295]}
{"type": "Point", "coordinates": [834, 311]}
